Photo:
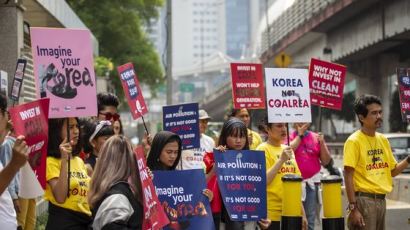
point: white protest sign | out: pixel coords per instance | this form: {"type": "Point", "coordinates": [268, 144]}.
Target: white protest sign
{"type": "Point", "coordinates": [287, 95]}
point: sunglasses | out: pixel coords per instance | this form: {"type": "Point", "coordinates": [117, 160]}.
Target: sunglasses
{"type": "Point", "coordinates": [109, 116]}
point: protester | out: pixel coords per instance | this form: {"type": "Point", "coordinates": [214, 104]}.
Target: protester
{"type": "Point", "coordinates": [6, 153]}
{"type": "Point", "coordinates": [369, 167]}
{"type": "Point", "coordinates": [115, 194]}
{"type": "Point", "coordinates": [233, 137]}
{"type": "Point", "coordinates": [107, 104]}
{"type": "Point", "coordinates": [193, 158]}
{"type": "Point", "coordinates": [25, 208]}
{"type": "Point", "coordinates": [117, 126]}
{"type": "Point", "coordinates": [254, 137]}
{"type": "Point", "coordinates": [19, 158]}
{"type": "Point", "coordinates": [67, 196]}
{"type": "Point", "coordinates": [165, 153]}
{"type": "Point", "coordinates": [279, 162]}
{"type": "Point", "coordinates": [311, 152]}
{"type": "Point", "coordinates": [96, 134]}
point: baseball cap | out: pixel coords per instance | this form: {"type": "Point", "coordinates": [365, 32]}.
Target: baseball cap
{"type": "Point", "coordinates": [203, 115]}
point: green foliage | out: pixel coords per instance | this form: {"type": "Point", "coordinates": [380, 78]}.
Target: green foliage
{"type": "Point", "coordinates": [102, 66]}
{"type": "Point", "coordinates": [41, 221]}
{"type": "Point", "coordinates": [117, 26]}
{"type": "Point", "coordinates": [395, 118]}
{"type": "Point", "coordinates": [346, 114]}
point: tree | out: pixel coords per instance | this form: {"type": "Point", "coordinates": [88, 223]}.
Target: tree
{"type": "Point", "coordinates": [117, 26]}
{"type": "Point", "coordinates": [346, 113]}
{"type": "Point", "coordinates": [395, 118]}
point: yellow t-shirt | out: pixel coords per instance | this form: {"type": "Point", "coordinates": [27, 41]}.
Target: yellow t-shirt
{"type": "Point", "coordinates": [372, 159]}
{"type": "Point", "coordinates": [274, 190]}
{"type": "Point", "coordinates": [256, 139]}
{"type": "Point", "coordinates": [79, 184]}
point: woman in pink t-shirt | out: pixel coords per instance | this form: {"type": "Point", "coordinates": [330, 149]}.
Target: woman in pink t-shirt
{"type": "Point", "coordinates": [310, 152]}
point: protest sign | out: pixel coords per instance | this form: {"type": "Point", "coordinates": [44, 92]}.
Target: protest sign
{"type": "Point", "coordinates": [18, 79]}
{"type": "Point", "coordinates": [287, 95]}
{"type": "Point", "coordinates": [132, 90]}
{"type": "Point", "coordinates": [242, 182]}
{"type": "Point", "coordinates": [64, 71]}
{"type": "Point", "coordinates": [154, 216]}
{"type": "Point", "coordinates": [183, 120]}
{"type": "Point", "coordinates": [403, 79]}
{"type": "Point", "coordinates": [248, 90]}
{"type": "Point", "coordinates": [182, 199]}
{"type": "Point", "coordinates": [31, 121]}
{"type": "Point", "coordinates": [326, 81]}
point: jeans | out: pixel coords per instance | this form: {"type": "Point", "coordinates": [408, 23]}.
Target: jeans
{"type": "Point", "coordinates": [310, 204]}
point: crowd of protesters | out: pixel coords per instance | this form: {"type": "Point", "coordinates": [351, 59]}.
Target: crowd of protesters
{"type": "Point", "coordinates": [102, 189]}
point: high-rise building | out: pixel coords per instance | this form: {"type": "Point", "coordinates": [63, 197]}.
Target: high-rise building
{"type": "Point", "coordinates": [198, 31]}
{"type": "Point", "coordinates": [237, 27]}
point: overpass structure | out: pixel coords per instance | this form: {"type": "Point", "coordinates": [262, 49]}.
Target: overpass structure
{"type": "Point", "coordinates": [370, 37]}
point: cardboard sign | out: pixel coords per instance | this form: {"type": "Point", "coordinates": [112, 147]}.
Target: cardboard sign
{"type": "Point", "coordinates": [242, 182]}
{"type": "Point", "coordinates": [154, 216]}
{"type": "Point", "coordinates": [287, 95]}
{"type": "Point", "coordinates": [248, 90]}
{"type": "Point", "coordinates": [132, 90]}
{"type": "Point", "coordinates": [64, 71]}
{"type": "Point", "coordinates": [31, 121]}
{"type": "Point", "coordinates": [326, 81]}
{"type": "Point", "coordinates": [403, 79]}
{"type": "Point", "coordinates": [183, 120]}
{"type": "Point", "coordinates": [182, 199]}
{"type": "Point", "coordinates": [18, 79]}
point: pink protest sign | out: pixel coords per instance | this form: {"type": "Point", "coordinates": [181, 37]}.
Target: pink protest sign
{"type": "Point", "coordinates": [326, 81]}
{"type": "Point", "coordinates": [154, 215]}
{"type": "Point", "coordinates": [64, 71]}
{"type": "Point", "coordinates": [403, 79]}
{"type": "Point", "coordinates": [248, 90]}
{"type": "Point", "coordinates": [132, 90]}
{"type": "Point", "coordinates": [31, 121]}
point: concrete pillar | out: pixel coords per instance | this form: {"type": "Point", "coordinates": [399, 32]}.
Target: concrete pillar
{"type": "Point", "coordinates": [387, 66]}
{"type": "Point", "coordinates": [11, 36]}
{"type": "Point", "coordinates": [374, 78]}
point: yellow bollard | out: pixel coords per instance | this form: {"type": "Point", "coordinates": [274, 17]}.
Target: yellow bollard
{"type": "Point", "coordinates": [291, 202]}
{"type": "Point", "coordinates": [332, 203]}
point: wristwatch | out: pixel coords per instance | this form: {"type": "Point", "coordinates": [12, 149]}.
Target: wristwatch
{"type": "Point", "coordinates": [351, 206]}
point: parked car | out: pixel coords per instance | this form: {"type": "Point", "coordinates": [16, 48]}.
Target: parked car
{"type": "Point", "coordinates": [400, 144]}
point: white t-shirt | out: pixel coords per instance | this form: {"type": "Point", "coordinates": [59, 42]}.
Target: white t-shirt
{"type": "Point", "coordinates": [193, 158]}
{"type": "Point", "coordinates": [8, 219]}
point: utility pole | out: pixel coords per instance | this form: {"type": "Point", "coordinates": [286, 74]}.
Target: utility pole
{"type": "Point", "coordinates": [169, 53]}
{"type": "Point", "coordinates": [267, 23]}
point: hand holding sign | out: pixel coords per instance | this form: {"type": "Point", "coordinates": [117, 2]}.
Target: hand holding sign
{"type": "Point", "coordinates": [20, 153]}
{"type": "Point", "coordinates": [287, 154]}
{"type": "Point", "coordinates": [65, 149]}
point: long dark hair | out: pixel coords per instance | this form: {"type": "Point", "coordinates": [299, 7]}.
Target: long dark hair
{"type": "Point", "coordinates": [54, 137]}
{"type": "Point", "coordinates": [160, 140]}
{"type": "Point", "coordinates": [88, 127]}
{"type": "Point", "coordinates": [233, 127]}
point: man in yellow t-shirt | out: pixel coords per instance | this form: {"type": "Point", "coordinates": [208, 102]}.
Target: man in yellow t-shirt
{"type": "Point", "coordinates": [369, 167]}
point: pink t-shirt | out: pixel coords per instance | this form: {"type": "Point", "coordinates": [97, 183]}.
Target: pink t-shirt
{"type": "Point", "coordinates": [308, 154]}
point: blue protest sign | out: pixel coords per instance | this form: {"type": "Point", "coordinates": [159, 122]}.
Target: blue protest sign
{"type": "Point", "coordinates": [183, 120]}
{"type": "Point", "coordinates": [242, 182]}
{"type": "Point", "coordinates": [182, 199]}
